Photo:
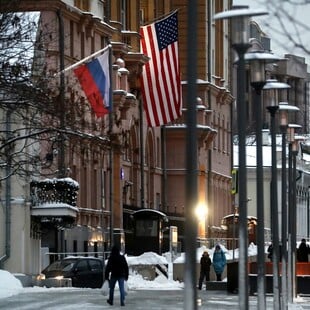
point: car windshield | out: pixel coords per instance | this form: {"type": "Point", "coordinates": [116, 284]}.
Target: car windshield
{"type": "Point", "coordinates": [63, 265]}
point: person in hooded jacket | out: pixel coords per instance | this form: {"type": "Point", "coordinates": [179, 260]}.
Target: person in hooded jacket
{"type": "Point", "coordinates": [219, 262]}
{"type": "Point", "coordinates": [205, 263]}
{"type": "Point", "coordinates": [116, 271]}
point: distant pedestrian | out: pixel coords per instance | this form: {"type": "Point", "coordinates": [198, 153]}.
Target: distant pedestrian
{"type": "Point", "coordinates": [270, 251]}
{"type": "Point", "coordinates": [303, 252]}
{"type": "Point", "coordinates": [205, 263]}
{"type": "Point", "coordinates": [116, 271]}
{"type": "Point", "coordinates": [219, 262]}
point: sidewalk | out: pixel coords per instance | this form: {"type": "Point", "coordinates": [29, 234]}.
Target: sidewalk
{"type": "Point", "coordinates": [92, 299]}
{"type": "Point", "coordinates": [221, 300]}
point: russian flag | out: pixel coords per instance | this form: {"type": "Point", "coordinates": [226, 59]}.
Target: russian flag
{"type": "Point", "coordinates": [94, 78]}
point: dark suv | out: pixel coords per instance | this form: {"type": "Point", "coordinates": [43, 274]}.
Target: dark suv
{"type": "Point", "coordinates": [83, 271]}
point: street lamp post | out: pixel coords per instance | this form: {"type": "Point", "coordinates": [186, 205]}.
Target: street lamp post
{"type": "Point", "coordinates": [274, 85]}
{"type": "Point", "coordinates": [289, 231]}
{"type": "Point", "coordinates": [190, 292]}
{"type": "Point", "coordinates": [258, 61]}
{"type": "Point", "coordinates": [284, 109]}
{"type": "Point", "coordinates": [274, 210]}
{"type": "Point", "coordinates": [293, 149]}
{"type": "Point", "coordinates": [258, 86]}
{"type": "Point", "coordinates": [239, 16]}
{"type": "Point", "coordinates": [308, 213]}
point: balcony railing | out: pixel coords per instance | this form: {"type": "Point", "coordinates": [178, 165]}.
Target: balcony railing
{"type": "Point", "coordinates": [54, 200]}
{"type": "Point", "coordinates": [54, 191]}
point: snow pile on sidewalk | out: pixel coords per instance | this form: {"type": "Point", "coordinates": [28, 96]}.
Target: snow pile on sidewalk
{"type": "Point", "coordinates": [9, 285]}
{"type": "Point", "coordinates": [148, 258]}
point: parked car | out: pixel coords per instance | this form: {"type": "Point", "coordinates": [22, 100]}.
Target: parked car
{"type": "Point", "coordinates": [83, 271]}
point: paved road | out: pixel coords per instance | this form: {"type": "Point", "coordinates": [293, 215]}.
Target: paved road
{"type": "Point", "coordinates": [91, 299]}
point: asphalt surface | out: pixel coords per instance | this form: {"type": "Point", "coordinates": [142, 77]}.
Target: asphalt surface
{"type": "Point", "coordinates": [92, 299]}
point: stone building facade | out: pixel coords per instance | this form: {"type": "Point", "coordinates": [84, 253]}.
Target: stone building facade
{"type": "Point", "coordinates": [121, 164]}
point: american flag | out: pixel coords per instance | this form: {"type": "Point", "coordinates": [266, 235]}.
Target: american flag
{"type": "Point", "coordinates": [161, 84]}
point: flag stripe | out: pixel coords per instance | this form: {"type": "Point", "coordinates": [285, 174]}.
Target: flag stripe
{"type": "Point", "coordinates": [161, 85]}
{"type": "Point", "coordinates": [155, 65]}
{"type": "Point", "coordinates": [153, 78]}
{"type": "Point", "coordinates": [99, 77]}
{"type": "Point", "coordinates": [95, 82]}
{"type": "Point", "coordinates": [154, 72]}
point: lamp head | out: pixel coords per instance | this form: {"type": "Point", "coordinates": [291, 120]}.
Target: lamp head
{"type": "Point", "coordinates": [272, 86]}
{"type": "Point", "coordinates": [240, 16]}
{"type": "Point", "coordinates": [296, 143]}
{"type": "Point", "coordinates": [285, 109]}
{"type": "Point", "coordinates": [291, 128]}
{"type": "Point", "coordinates": [258, 61]}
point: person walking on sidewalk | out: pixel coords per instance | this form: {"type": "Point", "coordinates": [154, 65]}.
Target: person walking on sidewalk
{"type": "Point", "coordinates": [303, 252]}
{"type": "Point", "coordinates": [219, 262]}
{"type": "Point", "coordinates": [116, 271]}
{"type": "Point", "coordinates": [205, 263]}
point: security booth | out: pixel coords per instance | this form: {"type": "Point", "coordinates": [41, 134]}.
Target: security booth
{"type": "Point", "coordinates": [149, 225]}
{"type": "Point", "coordinates": [230, 224]}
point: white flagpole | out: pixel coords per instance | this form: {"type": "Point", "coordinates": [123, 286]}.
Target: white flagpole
{"type": "Point", "coordinates": [83, 60]}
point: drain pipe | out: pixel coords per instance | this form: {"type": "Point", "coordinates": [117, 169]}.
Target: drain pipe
{"type": "Point", "coordinates": [61, 148]}
{"type": "Point", "coordinates": [210, 169]}
{"type": "Point", "coordinates": [7, 254]}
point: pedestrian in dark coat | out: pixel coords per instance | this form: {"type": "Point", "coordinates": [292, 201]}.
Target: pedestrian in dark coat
{"type": "Point", "coordinates": [205, 263]}
{"type": "Point", "coordinates": [219, 262]}
{"type": "Point", "coordinates": [116, 271]}
{"type": "Point", "coordinates": [270, 251]}
{"type": "Point", "coordinates": [303, 251]}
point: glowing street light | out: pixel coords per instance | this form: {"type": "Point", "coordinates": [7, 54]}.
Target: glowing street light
{"type": "Point", "coordinates": [201, 213]}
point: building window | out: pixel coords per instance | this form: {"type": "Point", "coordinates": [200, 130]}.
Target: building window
{"type": "Point", "coordinates": [82, 4]}
{"type": "Point", "coordinates": [157, 206]}
{"type": "Point", "coordinates": [228, 138]}
{"type": "Point", "coordinates": [71, 39]}
{"type": "Point", "coordinates": [219, 132]}
{"type": "Point", "coordinates": [102, 188]}
{"type": "Point", "coordinates": [215, 127]}
{"type": "Point", "coordinates": [124, 14]}
{"type": "Point", "coordinates": [224, 135]}
{"type": "Point", "coordinates": [94, 189]}
{"type": "Point", "coordinates": [141, 16]}
{"type": "Point", "coordinates": [84, 182]}
{"type": "Point", "coordinates": [158, 154]}
{"type": "Point", "coordinates": [82, 42]}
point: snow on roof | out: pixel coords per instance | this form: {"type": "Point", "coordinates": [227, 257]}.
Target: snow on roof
{"type": "Point", "coordinates": [70, 181]}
